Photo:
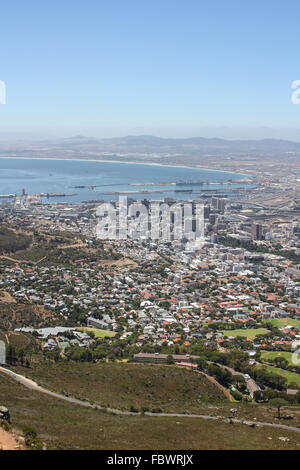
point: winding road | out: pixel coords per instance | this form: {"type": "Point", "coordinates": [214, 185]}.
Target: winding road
{"type": "Point", "coordinates": [34, 386]}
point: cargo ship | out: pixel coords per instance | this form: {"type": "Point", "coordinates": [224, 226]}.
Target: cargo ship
{"type": "Point", "coordinates": [189, 191]}
{"type": "Point", "coordinates": [189, 183]}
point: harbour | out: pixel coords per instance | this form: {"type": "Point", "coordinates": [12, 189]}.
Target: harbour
{"type": "Point", "coordinates": [77, 180]}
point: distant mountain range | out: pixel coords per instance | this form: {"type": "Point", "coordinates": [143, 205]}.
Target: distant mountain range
{"type": "Point", "coordinates": [148, 144]}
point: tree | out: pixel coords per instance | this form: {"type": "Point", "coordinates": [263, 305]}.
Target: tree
{"type": "Point", "coordinates": [264, 377]}
{"type": "Point", "coordinates": [201, 362]}
{"type": "Point", "coordinates": [240, 382]}
{"type": "Point", "coordinates": [259, 396]}
{"type": "Point", "coordinates": [278, 403]}
{"type": "Point", "coordinates": [223, 376]}
{"type": "Point", "coordinates": [170, 359]}
{"type": "Point", "coordinates": [281, 362]}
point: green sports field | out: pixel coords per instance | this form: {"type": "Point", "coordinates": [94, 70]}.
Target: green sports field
{"type": "Point", "coordinates": [291, 377]}
{"type": "Point", "coordinates": [280, 322]}
{"type": "Point", "coordinates": [97, 333]}
{"type": "Point", "coordinates": [271, 355]}
{"type": "Point", "coordinates": [247, 333]}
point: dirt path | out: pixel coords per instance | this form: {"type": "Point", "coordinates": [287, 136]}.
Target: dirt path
{"type": "Point", "coordinates": [220, 387]}
{"type": "Point", "coordinates": [8, 441]}
{"type": "Point", "coordinates": [6, 298]}
{"type": "Point", "coordinates": [74, 245]}
{"type": "Point", "coordinates": [214, 381]}
{"type": "Point", "coordinates": [17, 261]}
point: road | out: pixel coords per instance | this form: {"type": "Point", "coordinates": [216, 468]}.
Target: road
{"type": "Point", "coordinates": [34, 386]}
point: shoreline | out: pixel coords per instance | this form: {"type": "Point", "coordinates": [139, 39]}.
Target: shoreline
{"type": "Point", "coordinates": [129, 163]}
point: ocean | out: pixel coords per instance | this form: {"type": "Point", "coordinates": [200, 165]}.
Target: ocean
{"type": "Point", "coordinates": [98, 179]}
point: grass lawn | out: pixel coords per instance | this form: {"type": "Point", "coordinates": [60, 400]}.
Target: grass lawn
{"type": "Point", "coordinates": [270, 355]}
{"type": "Point", "coordinates": [290, 376]}
{"type": "Point", "coordinates": [280, 322]}
{"type": "Point", "coordinates": [247, 333]}
{"type": "Point", "coordinates": [97, 333]}
{"type": "Point", "coordinates": [62, 425]}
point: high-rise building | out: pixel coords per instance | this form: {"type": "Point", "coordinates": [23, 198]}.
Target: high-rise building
{"type": "Point", "coordinates": [218, 203]}
{"type": "Point", "coordinates": [257, 231]}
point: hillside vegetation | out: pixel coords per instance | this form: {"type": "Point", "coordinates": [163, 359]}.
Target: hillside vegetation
{"type": "Point", "coordinates": [14, 315]}
{"type": "Point", "coordinates": [129, 386]}
{"type": "Point", "coordinates": [11, 241]}
{"type": "Point", "coordinates": [62, 425]}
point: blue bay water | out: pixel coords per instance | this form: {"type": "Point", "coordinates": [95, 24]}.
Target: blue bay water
{"type": "Point", "coordinates": [61, 176]}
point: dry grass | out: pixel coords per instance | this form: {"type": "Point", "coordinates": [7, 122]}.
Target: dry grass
{"type": "Point", "coordinates": [126, 385]}
{"type": "Point", "coordinates": [5, 297]}
{"type": "Point", "coordinates": [14, 315]}
{"type": "Point", "coordinates": [65, 426]}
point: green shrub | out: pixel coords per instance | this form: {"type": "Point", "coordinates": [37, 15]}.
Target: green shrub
{"type": "Point", "coordinates": [236, 394]}
{"type": "Point", "coordinates": [133, 409]}
{"type": "Point", "coordinates": [5, 425]}
{"type": "Point", "coordinates": [29, 432]}
{"type": "Point", "coordinates": [156, 410]}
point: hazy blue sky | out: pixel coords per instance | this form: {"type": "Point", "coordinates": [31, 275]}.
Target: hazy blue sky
{"type": "Point", "coordinates": [148, 64]}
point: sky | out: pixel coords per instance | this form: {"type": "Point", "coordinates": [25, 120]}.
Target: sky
{"type": "Point", "coordinates": [166, 67]}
